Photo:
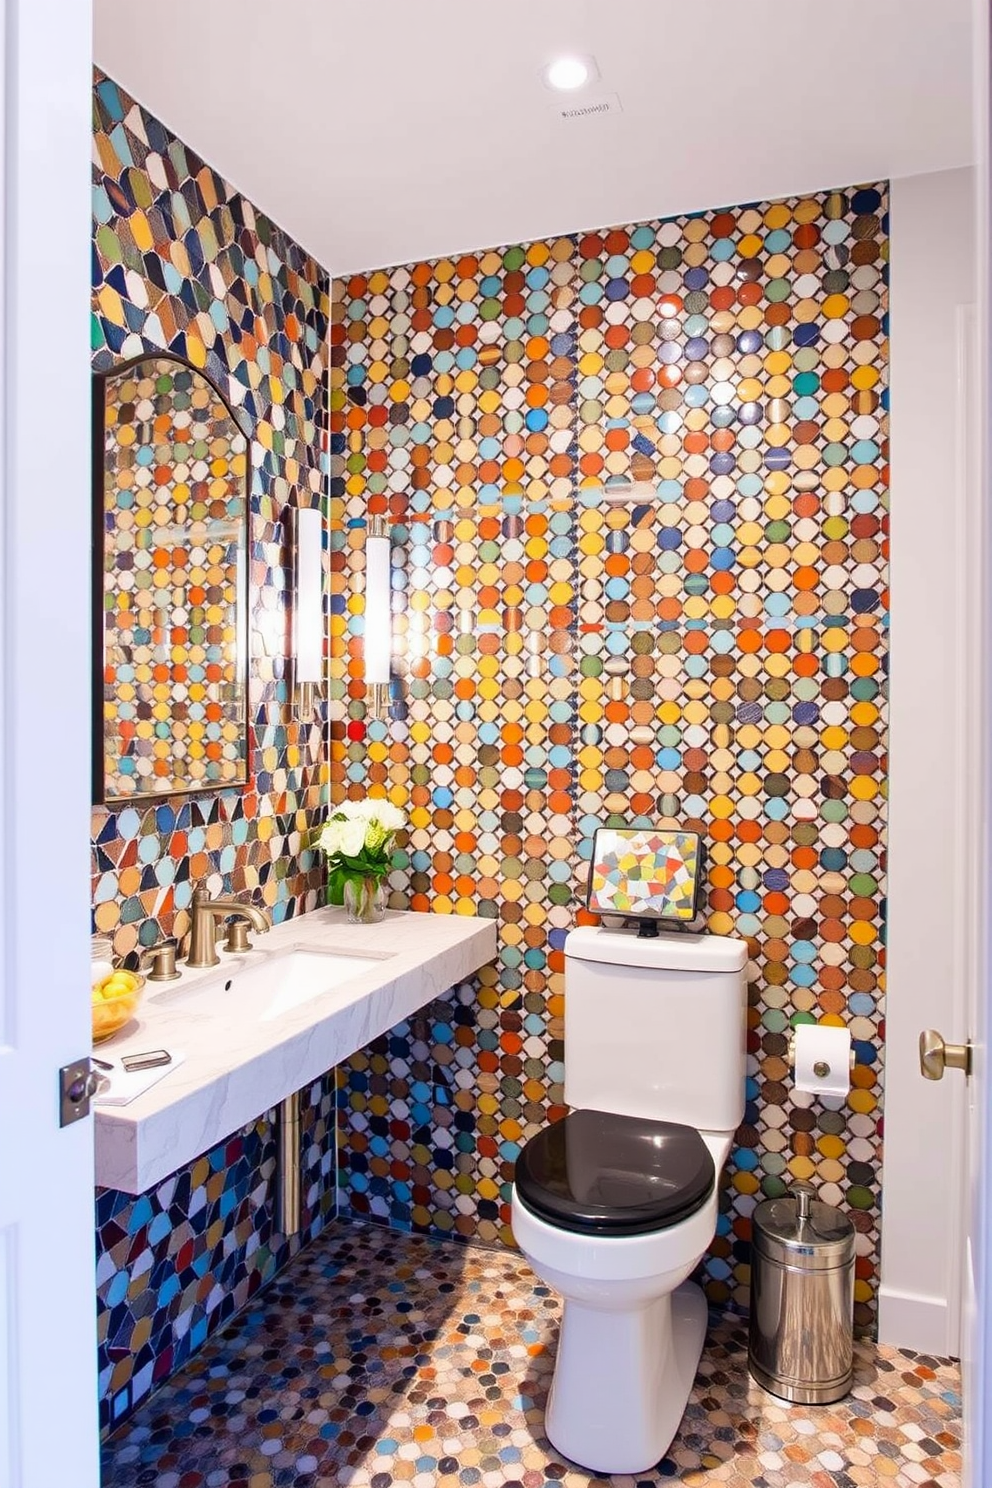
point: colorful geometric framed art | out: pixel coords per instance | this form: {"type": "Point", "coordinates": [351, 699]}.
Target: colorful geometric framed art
{"type": "Point", "coordinates": [645, 873]}
{"type": "Point", "coordinates": [170, 564]}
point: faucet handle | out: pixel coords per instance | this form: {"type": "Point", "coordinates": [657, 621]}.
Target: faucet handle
{"type": "Point", "coordinates": [162, 955]}
{"type": "Point", "coordinates": [237, 934]}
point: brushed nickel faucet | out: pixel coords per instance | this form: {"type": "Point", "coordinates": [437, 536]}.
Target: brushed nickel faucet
{"type": "Point", "coordinates": [204, 915]}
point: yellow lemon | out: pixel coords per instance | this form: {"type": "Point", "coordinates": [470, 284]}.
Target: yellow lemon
{"type": "Point", "coordinates": [118, 984]}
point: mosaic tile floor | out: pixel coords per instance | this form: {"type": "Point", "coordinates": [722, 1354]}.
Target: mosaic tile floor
{"type": "Point", "coordinates": [378, 1358]}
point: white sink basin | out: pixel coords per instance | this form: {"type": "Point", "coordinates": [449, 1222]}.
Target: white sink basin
{"type": "Point", "coordinates": [299, 976]}
{"type": "Point", "coordinates": [263, 990]}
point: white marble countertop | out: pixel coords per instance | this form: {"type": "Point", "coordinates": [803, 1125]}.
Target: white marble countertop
{"type": "Point", "coordinates": [237, 1066]}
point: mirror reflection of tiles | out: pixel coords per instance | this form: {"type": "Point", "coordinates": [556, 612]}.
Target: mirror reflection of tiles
{"type": "Point", "coordinates": [173, 519]}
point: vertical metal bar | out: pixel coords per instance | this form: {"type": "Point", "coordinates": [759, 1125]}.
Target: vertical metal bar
{"type": "Point", "coordinates": [287, 1195]}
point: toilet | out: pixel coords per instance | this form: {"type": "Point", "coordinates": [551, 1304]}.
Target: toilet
{"type": "Point", "coordinates": [614, 1205]}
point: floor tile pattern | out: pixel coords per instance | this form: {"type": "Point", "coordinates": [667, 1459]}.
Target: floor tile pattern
{"type": "Point", "coordinates": [182, 262]}
{"type": "Point", "coordinates": [175, 1264]}
{"type": "Point", "coordinates": [378, 1359]}
{"type": "Point", "coordinates": [637, 484]}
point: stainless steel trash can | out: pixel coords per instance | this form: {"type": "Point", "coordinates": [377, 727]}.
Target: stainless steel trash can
{"type": "Point", "coordinates": [802, 1298]}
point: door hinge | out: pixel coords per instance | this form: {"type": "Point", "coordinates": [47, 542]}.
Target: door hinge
{"type": "Point", "coordinates": [77, 1086]}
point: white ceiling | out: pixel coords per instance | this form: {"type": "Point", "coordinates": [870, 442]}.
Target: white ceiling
{"type": "Point", "coordinates": [377, 133]}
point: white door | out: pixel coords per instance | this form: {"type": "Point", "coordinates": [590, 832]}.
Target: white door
{"type": "Point", "coordinates": [48, 1408]}
{"type": "Point", "coordinates": [971, 963]}
{"type": "Point", "coordinates": [975, 580]}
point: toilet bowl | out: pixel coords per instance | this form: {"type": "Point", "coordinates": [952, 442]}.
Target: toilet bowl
{"type": "Point", "coordinates": [631, 1333]}
{"type": "Point", "coordinates": [615, 1205]}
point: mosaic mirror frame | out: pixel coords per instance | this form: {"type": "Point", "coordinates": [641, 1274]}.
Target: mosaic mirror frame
{"type": "Point", "coordinates": [645, 873]}
{"type": "Point", "coordinates": [170, 570]}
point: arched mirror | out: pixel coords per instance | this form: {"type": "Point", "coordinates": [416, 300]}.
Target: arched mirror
{"type": "Point", "coordinates": [170, 583]}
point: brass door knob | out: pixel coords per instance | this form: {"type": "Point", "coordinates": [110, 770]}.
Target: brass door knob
{"type": "Point", "coordinates": [936, 1056]}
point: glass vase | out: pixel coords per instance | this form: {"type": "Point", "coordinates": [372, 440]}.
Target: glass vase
{"type": "Point", "coordinates": [364, 900]}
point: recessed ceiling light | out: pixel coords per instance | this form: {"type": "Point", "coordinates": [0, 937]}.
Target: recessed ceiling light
{"type": "Point", "coordinates": [568, 73]}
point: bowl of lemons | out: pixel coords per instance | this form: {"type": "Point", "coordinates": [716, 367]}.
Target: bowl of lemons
{"type": "Point", "coordinates": [114, 1002]}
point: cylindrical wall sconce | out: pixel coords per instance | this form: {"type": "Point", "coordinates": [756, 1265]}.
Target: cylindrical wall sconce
{"type": "Point", "coordinates": [378, 617]}
{"type": "Point", "coordinates": [308, 604]}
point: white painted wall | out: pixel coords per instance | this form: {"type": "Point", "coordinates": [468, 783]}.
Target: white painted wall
{"type": "Point", "coordinates": [933, 275]}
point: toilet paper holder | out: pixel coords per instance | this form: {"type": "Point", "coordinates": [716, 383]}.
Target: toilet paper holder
{"type": "Point", "coordinates": [821, 1068]}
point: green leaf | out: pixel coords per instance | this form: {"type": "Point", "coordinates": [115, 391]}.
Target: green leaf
{"type": "Point", "coordinates": [364, 866]}
{"type": "Point", "coordinates": [335, 885]}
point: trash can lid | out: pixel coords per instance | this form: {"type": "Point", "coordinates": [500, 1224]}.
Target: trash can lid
{"type": "Point", "coordinates": [797, 1230]}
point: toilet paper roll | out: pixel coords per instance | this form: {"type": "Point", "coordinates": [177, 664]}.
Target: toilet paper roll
{"type": "Point", "coordinates": [822, 1059]}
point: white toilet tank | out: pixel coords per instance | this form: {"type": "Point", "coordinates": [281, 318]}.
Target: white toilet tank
{"type": "Point", "coordinates": [656, 1027]}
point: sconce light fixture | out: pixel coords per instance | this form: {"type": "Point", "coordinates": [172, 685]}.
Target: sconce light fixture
{"type": "Point", "coordinates": [308, 605]}
{"type": "Point", "coordinates": [378, 619]}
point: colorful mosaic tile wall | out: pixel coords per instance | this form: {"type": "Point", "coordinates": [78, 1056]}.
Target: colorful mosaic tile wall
{"type": "Point", "coordinates": [176, 1264]}
{"type": "Point", "coordinates": [707, 649]}
{"type": "Point", "coordinates": [183, 263]}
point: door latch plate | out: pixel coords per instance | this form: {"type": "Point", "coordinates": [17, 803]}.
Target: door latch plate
{"type": "Point", "coordinates": [77, 1086]}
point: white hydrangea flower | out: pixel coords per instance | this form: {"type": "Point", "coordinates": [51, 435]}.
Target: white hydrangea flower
{"type": "Point", "coordinates": [353, 837]}
{"type": "Point", "coordinates": [353, 810]}
{"type": "Point", "coordinates": [329, 840]}
{"type": "Point", "coordinates": [389, 817]}
{"type": "Point", "coordinates": [357, 826]}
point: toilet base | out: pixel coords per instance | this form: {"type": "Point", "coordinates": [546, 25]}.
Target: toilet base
{"type": "Point", "coordinates": [623, 1378]}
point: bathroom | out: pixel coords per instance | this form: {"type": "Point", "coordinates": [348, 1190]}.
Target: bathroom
{"type": "Point", "coordinates": [557, 660]}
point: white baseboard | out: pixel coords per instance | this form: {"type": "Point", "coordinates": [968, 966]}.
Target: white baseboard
{"type": "Point", "coordinates": [915, 1321]}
